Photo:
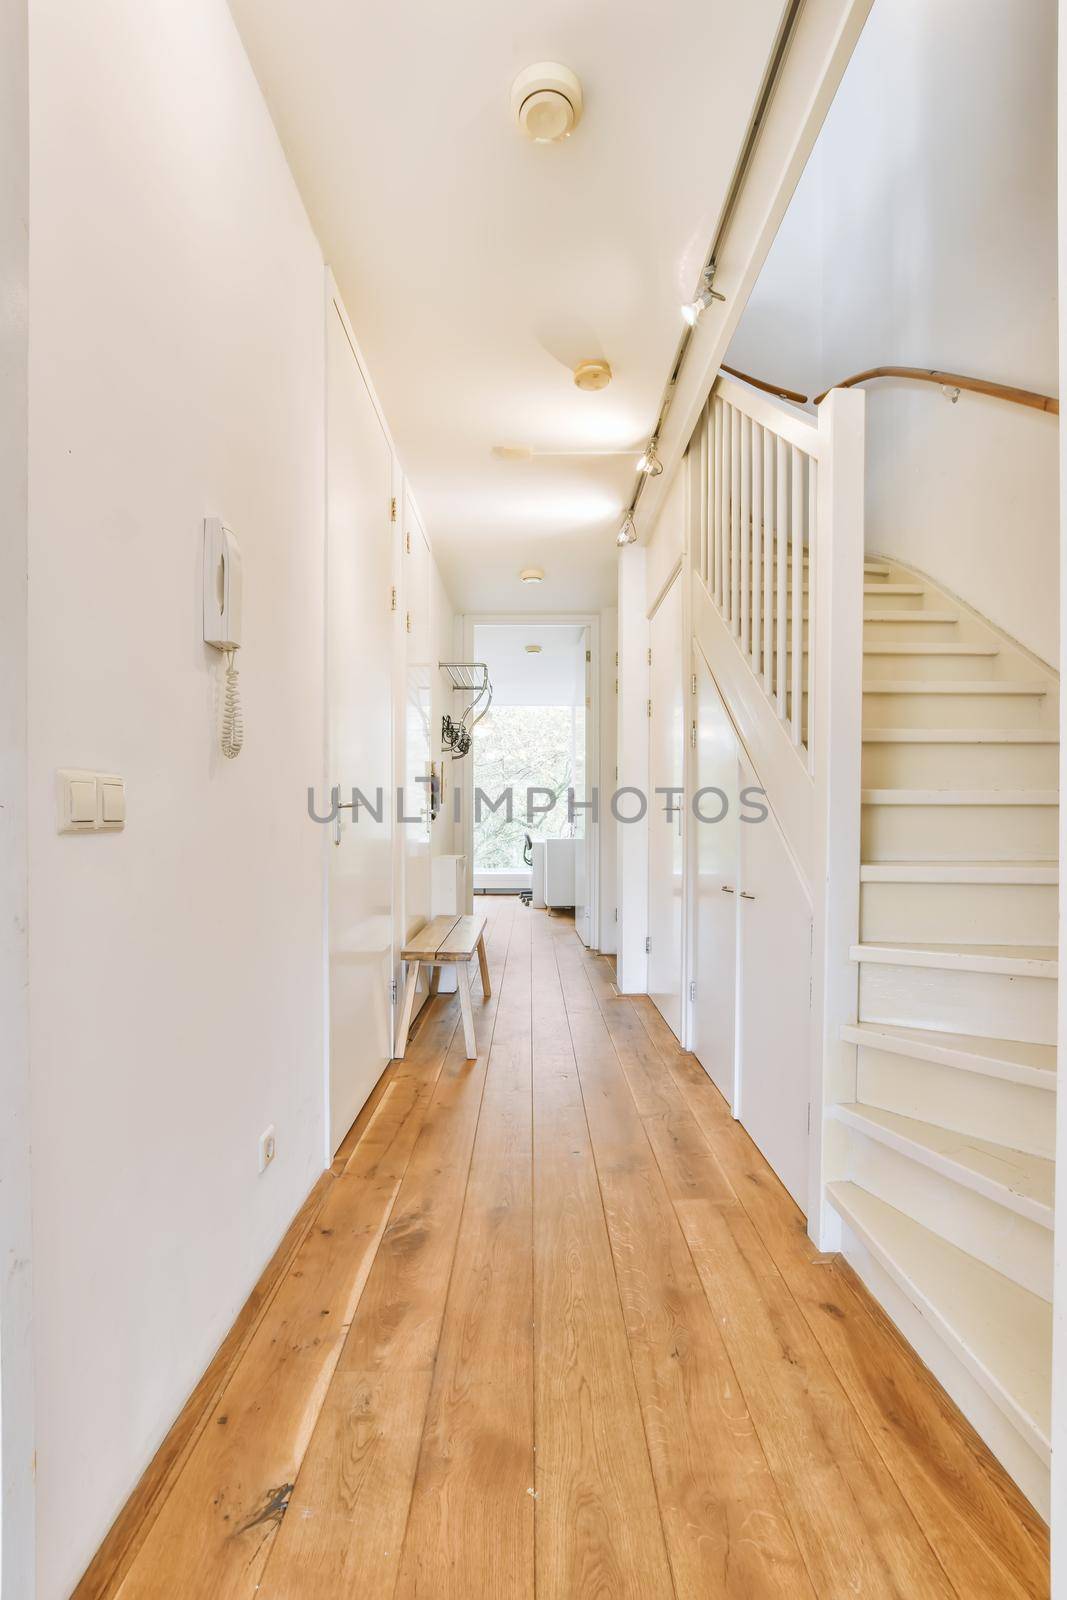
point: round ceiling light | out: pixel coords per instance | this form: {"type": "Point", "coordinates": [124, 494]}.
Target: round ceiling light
{"type": "Point", "coordinates": [533, 649]}
{"type": "Point", "coordinates": [546, 102]}
{"type": "Point", "coordinates": [531, 574]}
{"type": "Point", "coordinates": [591, 375]}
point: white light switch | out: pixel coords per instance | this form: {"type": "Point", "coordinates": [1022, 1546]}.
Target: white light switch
{"type": "Point", "coordinates": [90, 802]}
{"type": "Point", "coordinates": [113, 802]}
{"type": "Point", "coordinates": [83, 800]}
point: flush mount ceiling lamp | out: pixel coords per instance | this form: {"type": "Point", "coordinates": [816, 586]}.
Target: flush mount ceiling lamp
{"type": "Point", "coordinates": [590, 375]}
{"type": "Point", "coordinates": [532, 649]}
{"type": "Point", "coordinates": [531, 575]}
{"type": "Point", "coordinates": [696, 308]}
{"type": "Point", "coordinates": [650, 463]}
{"type": "Point", "coordinates": [546, 102]}
{"type": "Point", "coordinates": [627, 534]}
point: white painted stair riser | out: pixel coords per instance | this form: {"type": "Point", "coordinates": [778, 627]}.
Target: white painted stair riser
{"type": "Point", "coordinates": [997, 1005]}
{"type": "Point", "coordinates": [959, 833]}
{"type": "Point", "coordinates": [959, 913]}
{"type": "Point", "coordinates": [994, 704]}
{"type": "Point", "coordinates": [1015, 1246]}
{"type": "Point", "coordinates": [1012, 1114]}
{"type": "Point", "coordinates": [975, 765]}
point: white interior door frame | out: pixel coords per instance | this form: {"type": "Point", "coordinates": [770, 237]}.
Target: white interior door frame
{"type": "Point", "coordinates": [564, 619]}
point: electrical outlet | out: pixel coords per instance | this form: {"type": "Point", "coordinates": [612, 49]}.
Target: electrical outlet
{"type": "Point", "coordinates": [268, 1148]}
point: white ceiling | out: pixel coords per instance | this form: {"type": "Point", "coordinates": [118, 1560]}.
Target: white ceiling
{"type": "Point", "coordinates": [555, 677]}
{"type": "Point", "coordinates": [479, 269]}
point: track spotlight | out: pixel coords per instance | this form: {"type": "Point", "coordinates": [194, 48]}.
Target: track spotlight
{"type": "Point", "coordinates": [696, 308]}
{"type": "Point", "coordinates": [650, 463]}
{"type": "Point", "coordinates": [627, 534]}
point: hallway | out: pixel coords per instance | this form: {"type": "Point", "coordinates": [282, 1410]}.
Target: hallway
{"type": "Point", "coordinates": [556, 1329]}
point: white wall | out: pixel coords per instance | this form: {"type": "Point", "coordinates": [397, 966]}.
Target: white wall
{"type": "Point", "coordinates": [923, 233]}
{"type": "Point", "coordinates": [1059, 1299]}
{"type": "Point", "coordinates": [16, 1354]}
{"type": "Point", "coordinates": [176, 369]}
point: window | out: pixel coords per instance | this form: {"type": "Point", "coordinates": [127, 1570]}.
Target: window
{"type": "Point", "coordinates": [518, 748]}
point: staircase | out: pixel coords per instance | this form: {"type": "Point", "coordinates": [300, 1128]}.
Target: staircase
{"type": "Point", "coordinates": [945, 1154]}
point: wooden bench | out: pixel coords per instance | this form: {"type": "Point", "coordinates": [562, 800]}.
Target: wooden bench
{"type": "Point", "coordinates": [445, 941]}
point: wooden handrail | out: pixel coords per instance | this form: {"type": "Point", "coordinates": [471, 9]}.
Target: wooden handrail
{"type": "Point", "coordinates": [768, 388]}
{"type": "Point", "coordinates": [951, 380]}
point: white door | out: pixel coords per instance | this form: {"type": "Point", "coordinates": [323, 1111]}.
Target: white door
{"type": "Point", "coordinates": [774, 952]}
{"type": "Point", "coordinates": [584, 830]}
{"type": "Point", "coordinates": [359, 623]}
{"type": "Point", "coordinates": [713, 829]}
{"type": "Point", "coordinates": [417, 756]}
{"type": "Point", "coordinates": [665, 811]}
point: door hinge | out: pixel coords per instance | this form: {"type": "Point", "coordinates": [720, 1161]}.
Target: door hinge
{"type": "Point", "coordinates": [692, 988]}
{"type": "Point", "coordinates": [407, 620]}
{"type": "Point", "coordinates": [616, 685]}
{"type": "Point", "coordinates": [407, 544]}
{"type": "Point", "coordinates": [650, 708]}
{"type": "Point", "coordinates": [392, 990]}
{"type": "Point", "coordinates": [650, 655]}
{"type": "Point", "coordinates": [615, 915]}
{"type": "Point", "coordinates": [648, 944]}
{"type": "Point", "coordinates": [693, 682]}
{"type": "Point", "coordinates": [809, 1116]}
{"type": "Point", "coordinates": [616, 658]}
{"type": "Point", "coordinates": [589, 655]}
{"type": "Point", "coordinates": [392, 509]}
{"type": "Point", "coordinates": [392, 601]}
{"type": "Point", "coordinates": [693, 735]}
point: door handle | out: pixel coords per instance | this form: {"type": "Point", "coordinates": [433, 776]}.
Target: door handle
{"type": "Point", "coordinates": [746, 896]}
{"type": "Point", "coordinates": [725, 889]}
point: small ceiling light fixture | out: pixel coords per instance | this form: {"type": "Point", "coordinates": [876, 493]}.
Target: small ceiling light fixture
{"type": "Point", "coordinates": [533, 649]}
{"type": "Point", "coordinates": [696, 308]}
{"type": "Point", "coordinates": [650, 463]}
{"type": "Point", "coordinates": [627, 534]}
{"type": "Point", "coordinates": [531, 575]}
{"type": "Point", "coordinates": [591, 375]}
{"type": "Point", "coordinates": [546, 102]}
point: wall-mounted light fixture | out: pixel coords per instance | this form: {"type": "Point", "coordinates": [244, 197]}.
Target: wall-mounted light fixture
{"type": "Point", "coordinates": [696, 308]}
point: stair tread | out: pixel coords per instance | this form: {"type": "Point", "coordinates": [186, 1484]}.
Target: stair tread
{"type": "Point", "coordinates": [1001, 1332]}
{"type": "Point", "coordinates": [960, 797]}
{"type": "Point", "coordinates": [893, 588]}
{"type": "Point", "coordinates": [1025, 1062]}
{"type": "Point", "coordinates": [996, 686]}
{"type": "Point", "coordinates": [1013, 960]}
{"type": "Point", "coordinates": [1023, 1183]}
{"type": "Point", "coordinates": [1033, 871]}
{"type": "Point", "coordinates": [960, 736]}
{"type": "Point", "coordinates": [905, 616]}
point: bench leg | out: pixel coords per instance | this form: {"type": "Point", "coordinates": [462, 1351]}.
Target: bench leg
{"type": "Point", "coordinates": [483, 963]}
{"type": "Point", "coordinates": [435, 979]}
{"type": "Point", "coordinates": [408, 1006]}
{"type": "Point", "coordinates": [464, 987]}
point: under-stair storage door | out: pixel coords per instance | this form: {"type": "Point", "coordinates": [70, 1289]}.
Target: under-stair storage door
{"type": "Point", "coordinates": [359, 624]}
{"type": "Point", "coordinates": [665, 809]}
{"type": "Point", "coordinates": [774, 955]}
{"type": "Point", "coordinates": [713, 824]}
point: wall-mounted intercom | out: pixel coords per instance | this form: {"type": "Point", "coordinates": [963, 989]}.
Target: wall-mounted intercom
{"type": "Point", "coordinates": [222, 620]}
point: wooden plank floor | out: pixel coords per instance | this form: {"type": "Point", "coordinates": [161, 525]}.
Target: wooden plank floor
{"type": "Point", "coordinates": [559, 1332]}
